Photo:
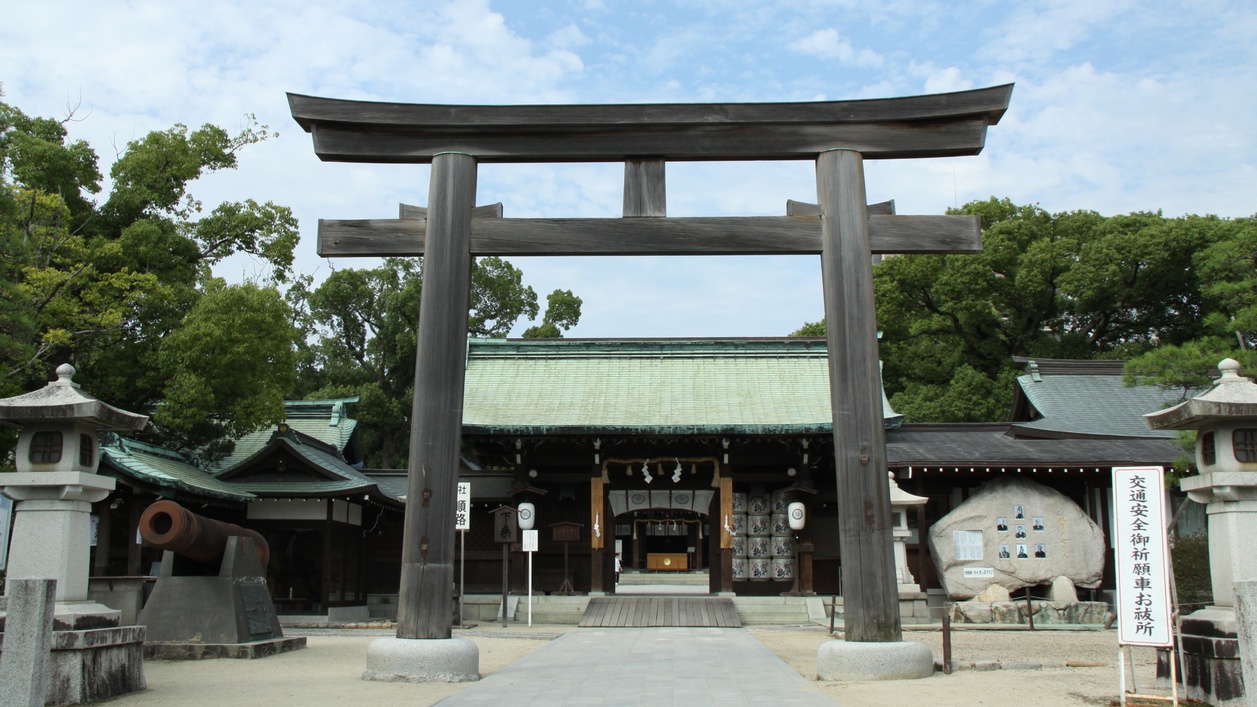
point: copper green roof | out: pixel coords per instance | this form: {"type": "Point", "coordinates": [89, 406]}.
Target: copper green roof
{"type": "Point", "coordinates": [180, 473]}
{"type": "Point", "coordinates": [665, 386]}
{"type": "Point", "coordinates": [324, 420]}
{"type": "Point", "coordinates": [323, 471]}
{"type": "Point", "coordinates": [1085, 399]}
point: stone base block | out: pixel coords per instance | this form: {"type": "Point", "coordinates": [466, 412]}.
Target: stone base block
{"type": "Point", "coordinates": [176, 650]}
{"type": "Point", "coordinates": [422, 660]}
{"type": "Point", "coordinates": [348, 614]}
{"type": "Point", "coordinates": [1211, 659]}
{"type": "Point", "coordinates": [1014, 612]}
{"type": "Point", "coordinates": [83, 616]}
{"type": "Point", "coordinates": [97, 664]}
{"type": "Point", "coordinates": [850, 660]}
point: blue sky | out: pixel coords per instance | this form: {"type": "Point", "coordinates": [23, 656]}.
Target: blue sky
{"type": "Point", "coordinates": [1118, 107]}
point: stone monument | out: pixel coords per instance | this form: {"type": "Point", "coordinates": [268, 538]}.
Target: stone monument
{"type": "Point", "coordinates": [1011, 534]}
{"type": "Point", "coordinates": [53, 488]}
{"type": "Point", "coordinates": [1225, 418]}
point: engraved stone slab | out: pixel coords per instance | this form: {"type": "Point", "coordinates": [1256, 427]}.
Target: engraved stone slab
{"type": "Point", "coordinates": [1028, 533]}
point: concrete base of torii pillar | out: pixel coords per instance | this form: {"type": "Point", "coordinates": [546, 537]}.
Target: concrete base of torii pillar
{"type": "Point", "coordinates": [422, 660]}
{"type": "Point", "coordinates": [892, 660]}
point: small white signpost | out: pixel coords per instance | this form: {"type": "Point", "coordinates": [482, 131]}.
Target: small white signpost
{"type": "Point", "coordinates": [1143, 570]}
{"type": "Point", "coordinates": [530, 546]}
{"type": "Point", "coordinates": [462, 523]}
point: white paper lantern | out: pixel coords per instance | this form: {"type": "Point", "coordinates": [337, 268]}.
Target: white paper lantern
{"type": "Point", "coordinates": [796, 513]}
{"type": "Point", "coordinates": [527, 516]}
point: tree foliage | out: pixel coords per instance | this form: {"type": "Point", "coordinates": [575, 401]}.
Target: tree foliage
{"type": "Point", "coordinates": [227, 368]}
{"type": "Point", "coordinates": [562, 313]}
{"type": "Point", "coordinates": [361, 325]}
{"type": "Point", "coordinates": [114, 287]}
{"type": "Point", "coordinates": [1160, 291]}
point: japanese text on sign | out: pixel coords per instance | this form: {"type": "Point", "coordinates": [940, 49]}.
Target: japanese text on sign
{"type": "Point", "coordinates": [1143, 582]}
{"type": "Point", "coordinates": [462, 509]}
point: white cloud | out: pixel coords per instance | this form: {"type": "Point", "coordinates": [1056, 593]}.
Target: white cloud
{"type": "Point", "coordinates": [941, 80]}
{"type": "Point", "coordinates": [828, 44]}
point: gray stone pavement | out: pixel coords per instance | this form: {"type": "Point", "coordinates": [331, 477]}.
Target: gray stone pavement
{"type": "Point", "coordinates": [646, 666]}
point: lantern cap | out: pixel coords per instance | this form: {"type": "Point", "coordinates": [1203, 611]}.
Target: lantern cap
{"type": "Point", "coordinates": [63, 400]}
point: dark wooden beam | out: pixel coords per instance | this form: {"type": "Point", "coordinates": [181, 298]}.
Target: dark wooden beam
{"type": "Point", "coordinates": [737, 235]}
{"type": "Point", "coordinates": [700, 143]}
{"type": "Point", "coordinates": [914, 126]}
{"type": "Point", "coordinates": [870, 592]}
{"type": "Point", "coordinates": [487, 211]}
{"type": "Point", "coordinates": [427, 572]}
{"type": "Point", "coordinates": [645, 193]}
{"type": "Point", "coordinates": [802, 209]}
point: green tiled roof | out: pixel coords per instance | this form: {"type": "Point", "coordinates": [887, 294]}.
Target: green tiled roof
{"type": "Point", "coordinates": [324, 420]}
{"type": "Point", "coordinates": [167, 469]}
{"type": "Point", "coordinates": [339, 478]}
{"type": "Point", "coordinates": [758, 386]}
{"type": "Point", "coordinates": [1088, 399]}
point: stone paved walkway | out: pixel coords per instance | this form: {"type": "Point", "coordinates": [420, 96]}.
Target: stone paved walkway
{"type": "Point", "coordinates": [692, 667]}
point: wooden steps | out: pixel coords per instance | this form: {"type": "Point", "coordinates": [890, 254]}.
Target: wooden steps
{"type": "Point", "coordinates": [654, 612]}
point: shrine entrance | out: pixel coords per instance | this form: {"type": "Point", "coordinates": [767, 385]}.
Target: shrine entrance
{"type": "Point", "coordinates": [842, 228]}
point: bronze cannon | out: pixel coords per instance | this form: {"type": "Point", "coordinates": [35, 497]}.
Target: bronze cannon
{"type": "Point", "coordinates": [168, 526]}
{"type": "Point", "coordinates": [211, 596]}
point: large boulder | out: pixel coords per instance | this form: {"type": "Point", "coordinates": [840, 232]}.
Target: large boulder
{"type": "Point", "coordinates": [1015, 533]}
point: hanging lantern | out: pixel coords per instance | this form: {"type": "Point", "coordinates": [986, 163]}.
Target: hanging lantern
{"type": "Point", "coordinates": [527, 513]}
{"type": "Point", "coordinates": [797, 515]}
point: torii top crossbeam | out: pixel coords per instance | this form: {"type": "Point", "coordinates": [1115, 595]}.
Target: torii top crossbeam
{"type": "Point", "coordinates": [936, 125]}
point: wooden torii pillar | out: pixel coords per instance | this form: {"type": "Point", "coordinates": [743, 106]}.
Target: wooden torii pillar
{"type": "Point", "coordinates": [838, 135]}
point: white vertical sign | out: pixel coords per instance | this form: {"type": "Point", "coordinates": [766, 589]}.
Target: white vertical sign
{"type": "Point", "coordinates": [531, 539]}
{"type": "Point", "coordinates": [462, 511]}
{"type": "Point", "coordinates": [1143, 576]}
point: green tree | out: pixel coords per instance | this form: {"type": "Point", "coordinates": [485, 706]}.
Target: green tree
{"type": "Point", "coordinates": [810, 329]}
{"type": "Point", "coordinates": [362, 324]}
{"type": "Point", "coordinates": [1066, 285]}
{"type": "Point", "coordinates": [107, 286]}
{"type": "Point", "coordinates": [562, 313]}
{"type": "Point", "coordinates": [1227, 269]}
{"type": "Point", "coordinates": [208, 401]}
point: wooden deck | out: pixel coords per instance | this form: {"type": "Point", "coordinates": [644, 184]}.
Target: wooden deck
{"type": "Point", "coordinates": [653, 612]}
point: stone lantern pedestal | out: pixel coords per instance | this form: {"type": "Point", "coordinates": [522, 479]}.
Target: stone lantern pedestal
{"type": "Point", "coordinates": [1225, 418]}
{"type": "Point", "coordinates": [51, 539]}
{"type": "Point", "coordinates": [53, 489]}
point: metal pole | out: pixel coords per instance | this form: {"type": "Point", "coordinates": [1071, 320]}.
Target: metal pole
{"type": "Point", "coordinates": [1121, 673]}
{"type": "Point", "coordinates": [462, 574]}
{"type": "Point", "coordinates": [529, 590]}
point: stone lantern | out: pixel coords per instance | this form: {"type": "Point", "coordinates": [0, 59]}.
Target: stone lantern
{"type": "Point", "coordinates": [1225, 420]}
{"type": "Point", "coordinates": [54, 486]}
{"type": "Point", "coordinates": [900, 502]}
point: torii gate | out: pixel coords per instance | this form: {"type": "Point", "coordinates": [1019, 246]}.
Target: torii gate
{"type": "Point", "coordinates": [838, 135]}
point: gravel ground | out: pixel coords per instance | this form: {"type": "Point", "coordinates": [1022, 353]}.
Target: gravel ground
{"type": "Point", "coordinates": [328, 672]}
{"type": "Point", "coordinates": [1077, 667]}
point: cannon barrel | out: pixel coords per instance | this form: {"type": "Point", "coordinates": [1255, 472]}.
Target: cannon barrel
{"type": "Point", "coordinates": [168, 526]}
